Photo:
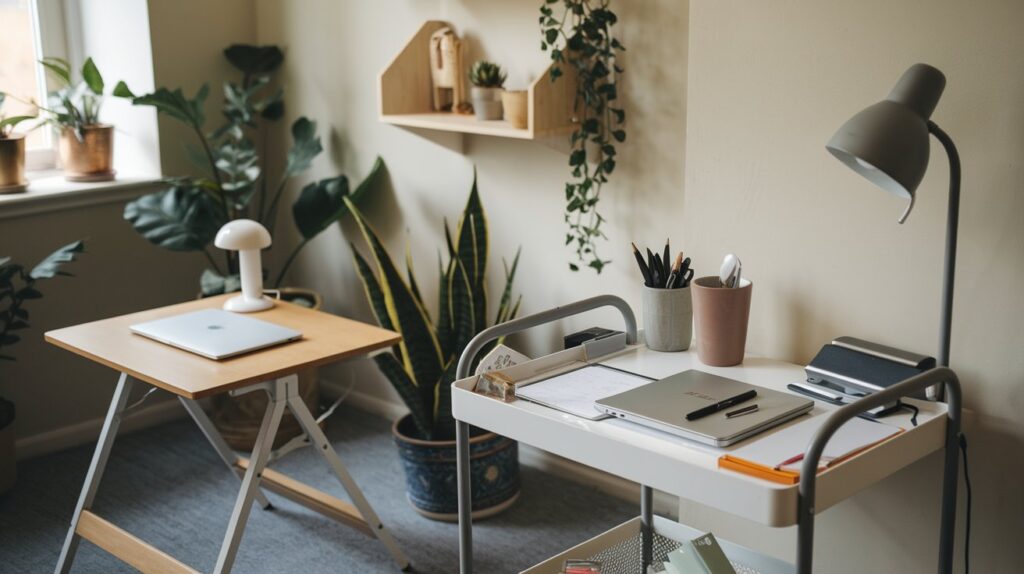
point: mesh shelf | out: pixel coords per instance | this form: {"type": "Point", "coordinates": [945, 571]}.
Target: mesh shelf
{"type": "Point", "coordinates": [624, 557]}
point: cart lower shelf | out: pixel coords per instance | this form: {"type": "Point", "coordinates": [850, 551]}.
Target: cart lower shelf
{"type": "Point", "coordinates": [618, 550]}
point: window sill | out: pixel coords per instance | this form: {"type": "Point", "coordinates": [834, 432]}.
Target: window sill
{"type": "Point", "coordinates": [49, 191]}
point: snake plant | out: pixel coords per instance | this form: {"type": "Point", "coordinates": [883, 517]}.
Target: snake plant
{"type": "Point", "coordinates": [422, 366]}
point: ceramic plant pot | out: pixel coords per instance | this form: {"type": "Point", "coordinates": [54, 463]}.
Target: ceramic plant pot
{"type": "Point", "coordinates": [12, 164]}
{"type": "Point", "coordinates": [486, 103]}
{"type": "Point", "coordinates": [516, 109]}
{"type": "Point", "coordinates": [668, 319]}
{"type": "Point", "coordinates": [720, 315]}
{"type": "Point", "coordinates": [238, 418]}
{"type": "Point", "coordinates": [431, 477]}
{"type": "Point", "coordinates": [92, 157]}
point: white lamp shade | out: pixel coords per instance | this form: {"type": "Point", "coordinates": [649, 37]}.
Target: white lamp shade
{"type": "Point", "coordinates": [242, 234]}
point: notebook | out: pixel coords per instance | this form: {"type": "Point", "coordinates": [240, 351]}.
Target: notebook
{"type": "Point", "coordinates": [779, 456]}
{"type": "Point", "coordinates": [576, 391]}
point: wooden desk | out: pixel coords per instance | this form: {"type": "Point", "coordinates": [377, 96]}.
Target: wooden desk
{"type": "Point", "coordinates": [326, 338]}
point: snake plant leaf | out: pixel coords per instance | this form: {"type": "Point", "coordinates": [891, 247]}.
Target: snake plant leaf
{"type": "Point", "coordinates": [472, 241]}
{"type": "Point", "coordinates": [460, 296]}
{"type": "Point", "coordinates": [408, 390]}
{"type": "Point", "coordinates": [411, 275]}
{"type": "Point", "coordinates": [444, 421]}
{"type": "Point", "coordinates": [306, 146]}
{"type": "Point", "coordinates": [374, 294]}
{"type": "Point", "coordinates": [506, 295]}
{"type": "Point", "coordinates": [320, 204]}
{"type": "Point", "coordinates": [92, 77]}
{"type": "Point", "coordinates": [420, 349]}
{"type": "Point", "coordinates": [444, 316]}
{"type": "Point", "coordinates": [50, 266]}
{"type": "Point", "coordinates": [181, 218]}
{"type": "Point", "coordinates": [251, 59]}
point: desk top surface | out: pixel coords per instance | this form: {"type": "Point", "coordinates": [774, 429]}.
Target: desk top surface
{"type": "Point", "coordinates": [690, 469]}
{"type": "Point", "coordinates": [325, 338]}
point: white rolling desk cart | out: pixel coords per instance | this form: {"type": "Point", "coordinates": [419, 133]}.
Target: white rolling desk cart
{"type": "Point", "coordinates": [689, 469]}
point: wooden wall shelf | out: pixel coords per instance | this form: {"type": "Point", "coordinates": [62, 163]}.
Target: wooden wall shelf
{"type": "Point", "coordinates": [406, 97]}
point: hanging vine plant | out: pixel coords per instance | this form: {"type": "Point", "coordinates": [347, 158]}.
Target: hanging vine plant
{"type": "Point", "coordinates": [579, 35]}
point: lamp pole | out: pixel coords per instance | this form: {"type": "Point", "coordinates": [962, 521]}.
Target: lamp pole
{"type": "Point", "coordinates": [949, 271]}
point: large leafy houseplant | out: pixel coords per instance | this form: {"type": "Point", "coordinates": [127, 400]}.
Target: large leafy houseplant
{"type": "Point", "coordinates": [18, 286]}
{"type": "Point", "coordinates": [580, 36]}
{"type": "Point", "coordinates": [235, 182]}
{"type": "Point", "coordinates": [422, 366]}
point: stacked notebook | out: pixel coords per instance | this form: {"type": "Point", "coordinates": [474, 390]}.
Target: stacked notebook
{"type": "Point", "coordinates": [702, 555]}
{"type": "Point", "coordinates": [779, 456]}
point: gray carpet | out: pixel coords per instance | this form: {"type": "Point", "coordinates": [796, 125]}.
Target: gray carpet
{"type": "Point", "coordinates": [167, 486]}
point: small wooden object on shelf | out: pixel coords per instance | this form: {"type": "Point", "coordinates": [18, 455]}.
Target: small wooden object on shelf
{"type": "Point", "coordinates": [406, 96]}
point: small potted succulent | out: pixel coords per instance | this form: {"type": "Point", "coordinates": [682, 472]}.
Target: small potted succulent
{"type": "Point", "coordinates": [12, 152]}
{"type": "Point", "coordinates": [86, 146]}
{"type": "Point", "coordinates": [18, 286]}
{"type": "Point", "coordinates": [487, 79]}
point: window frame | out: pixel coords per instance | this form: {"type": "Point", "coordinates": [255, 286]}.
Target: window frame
{"type": "Point", "coordinates": [51, 37]}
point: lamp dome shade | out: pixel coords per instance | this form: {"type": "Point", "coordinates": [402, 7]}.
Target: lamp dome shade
{"type": "Point", "coordinates": [888, 142]}
{"type": "Point", "coordinates": [242, 234]}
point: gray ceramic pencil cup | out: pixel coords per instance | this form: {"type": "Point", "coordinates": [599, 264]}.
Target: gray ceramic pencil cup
{"type": "Point", "coordinates": [668, 318]}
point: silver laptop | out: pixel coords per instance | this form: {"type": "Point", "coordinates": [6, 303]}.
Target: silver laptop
{"type": "Point", "coordinates": [215, 333]}
{"type": "Point", "coordinates": [664, 404]}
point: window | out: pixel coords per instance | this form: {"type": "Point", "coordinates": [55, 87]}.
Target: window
{"type": "Point", "coordinates": [32, 28]}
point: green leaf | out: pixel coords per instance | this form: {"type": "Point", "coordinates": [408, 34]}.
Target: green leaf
{"type": "Point", "coordinates": [176, 105]}
{"type": "Point", "coordinates": [374, 294]}
{"type": "Point", "coordinates": [306, 146]}
{"type": "Point", "coordinates": [254, 59]}
{"type": "Point", "coordinates": [50, 266]}
{"type": "Point", "coordinates": [506, 294]}
{"type": "Point", "coordinates": [213, 283]}
{"type": "Point", "coordinates": [420, 349]}
{"type": "Point", "coordinates": [410, 392]}
{"type": "Point", "coordinates": [121, 90]}
{"type": "Point", "coordinates": [28, 293]}
{"type": "Point", "coordinates": [444, 422]}
{"type": "Point", "coordinates": [460, 295]}
{"type": "Point", "coordinates": [59, 67]}
{"type": "Point", "coordinates": [182, 218]}
{"type": "Point", "coordinates": [92, 77]}
{"type": "Point", "coordinates": [321, 204]}
{"type": "Point", "coordinates": [11, 122]}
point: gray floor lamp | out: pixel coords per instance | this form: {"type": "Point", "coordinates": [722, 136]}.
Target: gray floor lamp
{"type": "Point", "coordinates": [888, 144]}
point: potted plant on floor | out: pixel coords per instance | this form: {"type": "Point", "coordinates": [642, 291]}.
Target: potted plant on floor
{"type": "Point", "coordinates": [422, 367]}
{"type": "Point", "coordinates": [18, 285]}
{"type": "Point", "coordinates": [12, 152]}
{"type": "Point", "coordinates": [86, 146]}
{"type": "Point", "coordinates": [234, 182]}
{"type": "Point", "coordinates": [487, 79]}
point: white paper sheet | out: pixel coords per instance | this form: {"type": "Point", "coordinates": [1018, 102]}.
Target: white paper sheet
{"type": "Point", "coordinates": [575, 392]}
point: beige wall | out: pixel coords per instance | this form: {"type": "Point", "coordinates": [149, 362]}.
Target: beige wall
{"type": "Point", "coordinates": [769, 84]}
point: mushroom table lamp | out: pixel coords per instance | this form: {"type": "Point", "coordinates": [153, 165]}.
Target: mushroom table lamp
{"type": "Point", "coordinates": [888, 144]}
{"type": "Point", "coordinates": [247, 237]}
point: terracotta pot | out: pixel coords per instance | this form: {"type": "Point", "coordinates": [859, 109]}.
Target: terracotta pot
{"type": "Point", "coordinates": [92, 158]}
{"type": "Point", "coordinates": [238, 418]}
{"type": "Point", "coordinates": [12, 164]}
{"type": "Point", "coordinates": [720, 315]}
{"type": "Point", "coordinates": [430, 472]}
{"type": "Point", "coordinates": [516, 108]}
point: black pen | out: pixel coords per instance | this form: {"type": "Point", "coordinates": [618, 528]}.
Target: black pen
{"type": "Point", "coordinates": [721, 405]}
{"type": "Point", "coordinates": [644, 270]}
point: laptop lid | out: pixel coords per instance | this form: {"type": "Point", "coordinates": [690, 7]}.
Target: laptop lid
{"type": "Point", "coordinates": [664, 405]}
{"type": "Point", "coordinates": [215, 333]}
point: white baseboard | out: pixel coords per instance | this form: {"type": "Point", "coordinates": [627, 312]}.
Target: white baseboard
{"type": "Point", "coordinates": [664, 504]}
{"type": "Point", "coordinates": [88, 431]}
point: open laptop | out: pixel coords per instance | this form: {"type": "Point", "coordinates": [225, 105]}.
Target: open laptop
{"type": "Point", "coordinates": [215, 333]}
{"type": "Point", "coordinates": [664, 404]}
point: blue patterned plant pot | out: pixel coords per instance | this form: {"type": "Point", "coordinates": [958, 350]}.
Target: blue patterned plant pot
{"type": "Point", "coordinates": [430, 472]}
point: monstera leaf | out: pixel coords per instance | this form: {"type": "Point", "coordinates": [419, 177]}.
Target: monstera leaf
{"type": "Point", "coordinates": [322, 203]}
{"type": "Point", "coordinates": [182, 218]}
{"type": "Point", "coordinates": [49, 267]}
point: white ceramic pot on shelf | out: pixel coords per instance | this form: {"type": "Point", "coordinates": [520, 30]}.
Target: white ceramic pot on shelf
{"type": "Point", "coordinates": [486, 103]}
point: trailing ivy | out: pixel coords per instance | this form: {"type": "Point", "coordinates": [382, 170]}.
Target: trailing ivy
{"type": "Point", "coordinates": [580, 36]}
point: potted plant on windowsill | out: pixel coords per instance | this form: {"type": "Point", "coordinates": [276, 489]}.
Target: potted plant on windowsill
{"type": "Point", "coordinates": [85, 146]}
{"type": "Point", "coordinates": [12, 152]}
{"type": "Point", "coordinates": [233, 182]}
{"type": "Point", "coordinates": [487, 79]}
{"type": "Point", "coordinates": [422, 366]}
{"type": "Point", "coordinates": [17, 286]}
